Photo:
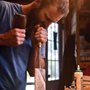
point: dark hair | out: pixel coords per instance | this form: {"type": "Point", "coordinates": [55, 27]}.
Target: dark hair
{"type": "Point", "coordinates": [62, 5]}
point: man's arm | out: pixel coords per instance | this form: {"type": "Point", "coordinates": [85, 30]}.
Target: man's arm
{"type": "Point", "coordinates": [28, 7]}
{"type": "Point", "coordinates": [35, 61]}
{"type": "Point", "coordinates": [13, 37]}
{"type": "Point", "coordinates": [9, 36]}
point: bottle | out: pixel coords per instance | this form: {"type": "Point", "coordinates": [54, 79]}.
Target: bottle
{"type": "Point", "coordinates": [78, 78]}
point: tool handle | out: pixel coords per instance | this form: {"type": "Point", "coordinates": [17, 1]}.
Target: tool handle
{"type": "Point", "coordinates": [19, 21]}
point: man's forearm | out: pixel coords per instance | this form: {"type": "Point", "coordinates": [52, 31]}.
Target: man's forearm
{"type": "Point", "coordinates": [3, 39]}
{"type": "Point", "coordinates": [33, 61]}
{"type": "Point", "coordinates": [28, 7]}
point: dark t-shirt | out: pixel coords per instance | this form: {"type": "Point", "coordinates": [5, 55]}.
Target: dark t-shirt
{"type": "Point", "coordinates": [13, 60]}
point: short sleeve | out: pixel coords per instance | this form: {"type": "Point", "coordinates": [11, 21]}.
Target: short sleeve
{"type": "Point", "coordinates": [8, 7]}
{"type": "Point", "coordinates": [7, 12]}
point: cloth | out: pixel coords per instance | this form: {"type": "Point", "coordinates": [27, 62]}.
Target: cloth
{"type": "Point", "coordinates": [40, 79]}
{"type": "Point", "coordinates": [13, 60]}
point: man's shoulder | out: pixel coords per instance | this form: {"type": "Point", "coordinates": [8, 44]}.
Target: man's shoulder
{"type": "Point", "coordinates": [2, 4]}
{"type": "Point", "coordinates": [3, 7]}
{"type": "Point", "coordinates": [10, 7]}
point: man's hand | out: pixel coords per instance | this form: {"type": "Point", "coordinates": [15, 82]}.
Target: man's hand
{"type": "Point", "coordinates": [14, 37]}
{"type": "Point", "coordinates": [40, 35]}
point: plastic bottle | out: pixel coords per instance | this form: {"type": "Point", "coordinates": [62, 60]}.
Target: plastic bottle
{"type": "Point", "coordinates": [78, 78]}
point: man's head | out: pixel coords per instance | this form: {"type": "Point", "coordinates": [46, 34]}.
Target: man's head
{"type": "Point", "coordinates": [61, 5]}
{"type": "Point", "coordinates": [50, 11]}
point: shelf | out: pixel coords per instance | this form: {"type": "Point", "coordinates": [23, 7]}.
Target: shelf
{"type": "Point", "coordinates": [85, 59]}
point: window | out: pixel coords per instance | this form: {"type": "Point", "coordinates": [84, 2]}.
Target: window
{"type": "Point", "coordinates": [53, 52]}
{"type": "Point", "coordinates": [30, 83]}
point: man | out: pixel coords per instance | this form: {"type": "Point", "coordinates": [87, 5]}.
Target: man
{"type": "Point", "coordinates": [16, 44]}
